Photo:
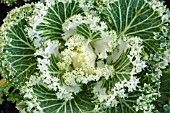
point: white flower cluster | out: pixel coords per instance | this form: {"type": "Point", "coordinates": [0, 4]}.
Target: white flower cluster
{"type": "Point", "coordinates": [106, 71]}
{"type": "Point", "coordinates": [111, 98]}
{"type": "Point", "coordinates": [144, 101]}
{"type": "Point", "coordinates": [79, 76]}
{"type": "Point", "coordinates": [53, 83]}
{"type": "Point", "coordinates": [160, 7]}
{"type": "Point", "coordinates": [165, 60]}
{"type": "Point", "coordinates": [71, 77]}
{"type": "Point", "coordinates": [52, 2]}
{"type": "Point", "coordinates": [114, 43]}
{"type": "Point", "coordinates": [66, 92]}
{"type": "Point", "coordinates": [84, 4]}
{"type": "Point", "coordinates": [135, 54]}
{"type": "Point", "coordinates": [163, 64]}
{"type": "Point", "coordinates": [94, 23]}
{"type": "Point", "coordinates": [66, 60]}
{"type": "Point", "coordinates": [38, 16]}
{"type": "Point", "coordinates": [31, 100]}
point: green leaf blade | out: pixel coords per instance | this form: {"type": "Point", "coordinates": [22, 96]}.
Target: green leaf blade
{"type": "Point", "coordinates": [132, 17]}
{"type": "Point", "coordinates": [51, 104]}
{"type": "Point", "coordinates": [55, 17]}
{"type": "Point", "coordinates": [84, 30]}
{"type": "Point", "coordinates": [20, 58]}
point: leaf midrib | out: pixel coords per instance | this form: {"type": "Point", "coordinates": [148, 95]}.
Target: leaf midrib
{"type": "Point", "coordinates": [131, 22]}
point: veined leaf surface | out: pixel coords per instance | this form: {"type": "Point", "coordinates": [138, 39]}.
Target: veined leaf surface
{"type": "Point", "coordinates": [50, 104]}
{"type": "Point", "coordinates": [51, 26]}
{"type": "Point", "coordinates": [20, 59]}
{"type": "Point", "coordinates": [53, 68]}
{"type": "Point", "coordinates": [84, 30]}
{"type": "Point", "coordinates": [132, 17]}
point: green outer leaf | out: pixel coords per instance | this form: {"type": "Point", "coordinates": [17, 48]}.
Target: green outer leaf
{"type": "Point", "coordinates": [50, 104]}
{"type": "Point", "coordinates": [164, 90]}
{"type": "Point", "coordinates": [20, 62]}
{"type": "Point", "coordinates": [152, 46]}
{"type": "Point", "coordinates": [17, 14]}
{"type": "Point", "coordinates": [12, 94]}
{"type": "Point", "coordinates": [55, 17]}
{"type": "Point", "coordinates": [122, 108]}
{"type": "Point", "coordinates": [14, 17]}
{"type": "Point", "coordinates": [132, 17]}
{"type": "Point", "coordinates": [125, 105]}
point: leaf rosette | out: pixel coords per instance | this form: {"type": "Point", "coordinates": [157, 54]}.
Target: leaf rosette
{"type": "Point", "coordinates": [88, 56]}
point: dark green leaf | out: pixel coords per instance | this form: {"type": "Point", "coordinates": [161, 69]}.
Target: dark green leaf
{"type": "Point", "coordinates": [132, 17]}
{"type": "Point", "coordinates": [20, 62]}
{"type": "Point", "coordinates": [51, 26]}
{"type": "Point", "coordinates": [85, 30]}
{"type": "Point", "coordinates": [50, 104]}
{"type": "Point", "coordinates": [165, 91]}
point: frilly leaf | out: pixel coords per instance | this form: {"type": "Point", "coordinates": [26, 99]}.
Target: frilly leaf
{"type": "Point", "coordinates": [20, 62]}
{"type": "Point", "coordinates": [18, 51]}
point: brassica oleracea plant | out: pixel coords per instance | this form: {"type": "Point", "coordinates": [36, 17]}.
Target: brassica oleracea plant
{"type": "Point", "coordinates": [85, 56]}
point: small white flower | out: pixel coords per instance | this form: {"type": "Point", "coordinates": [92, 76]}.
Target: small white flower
{"type": "Point", "coordinates": [30, 105]}
{"type": "Point", "coordinates": [28, 95]}
{"type": "Point", "coordinates": [162, 65]}
{"type": "Point", "coordinates": [97, 87]}
{"type": "Point", "coordinates": [102, 97]}
{"type": "Point", "coordinates": [132, 83]}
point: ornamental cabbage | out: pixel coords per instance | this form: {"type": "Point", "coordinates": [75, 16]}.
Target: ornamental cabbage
{"type": "Point", "coordinates": [86, 56]}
